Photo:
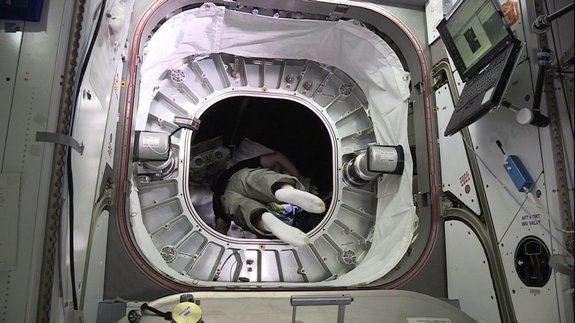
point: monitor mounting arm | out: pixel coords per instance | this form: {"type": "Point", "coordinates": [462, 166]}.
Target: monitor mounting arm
{"type": "Point", "coordinates": [543, 22]}
{"type": "Point", "coordinates": [533, 116]}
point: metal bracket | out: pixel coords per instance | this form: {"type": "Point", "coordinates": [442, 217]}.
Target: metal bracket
{"type": "Point", "coordinates": [422, 199]}
{"type": "Point", "coordinates": [340, 300]}
{"type": "Point", "coordinates": [60, 139]}
{"type": "Point", "coordinates": [419, 87]}
{"type": "Point", "coordinates": [188, 122]}
{"type": "Point", "coordinates": [339, 11]}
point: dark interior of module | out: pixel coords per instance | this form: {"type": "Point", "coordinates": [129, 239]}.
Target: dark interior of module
{"type": "Point", "coordinates": [282, 125]}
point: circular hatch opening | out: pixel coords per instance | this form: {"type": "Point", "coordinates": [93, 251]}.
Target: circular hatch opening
{"type": "Point", "coordinates": [263, 124]}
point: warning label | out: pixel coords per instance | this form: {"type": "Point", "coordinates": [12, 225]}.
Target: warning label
{"type": "Point", "coordinates": [464, 179]}
{"type": "Point", "coordinates": [530, 220]}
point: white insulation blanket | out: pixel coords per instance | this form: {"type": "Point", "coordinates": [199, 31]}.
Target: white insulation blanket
{"type": "Point", "coordinates": [360, 53]}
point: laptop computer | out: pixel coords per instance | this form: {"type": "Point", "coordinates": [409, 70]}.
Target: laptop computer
{"type": "Point", "coordinates": [485, 52]}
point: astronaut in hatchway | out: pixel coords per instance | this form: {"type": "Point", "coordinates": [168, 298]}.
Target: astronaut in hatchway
{"type": "Point", "coordinates": [258, 193]}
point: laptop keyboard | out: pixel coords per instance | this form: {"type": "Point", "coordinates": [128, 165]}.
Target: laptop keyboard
{"type": "Point", "coordinates": [483, 81]}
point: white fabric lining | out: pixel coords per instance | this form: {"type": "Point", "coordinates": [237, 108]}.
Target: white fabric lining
{"type": "Point", "coordinates": [347, 45]}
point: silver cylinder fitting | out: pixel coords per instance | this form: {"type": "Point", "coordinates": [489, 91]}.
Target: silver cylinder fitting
{"type": "Point", "coordinates": [370, 163]}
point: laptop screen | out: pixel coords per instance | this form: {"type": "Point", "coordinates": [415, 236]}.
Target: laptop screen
{"type": "Point", "coordinates": [473, 30]}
